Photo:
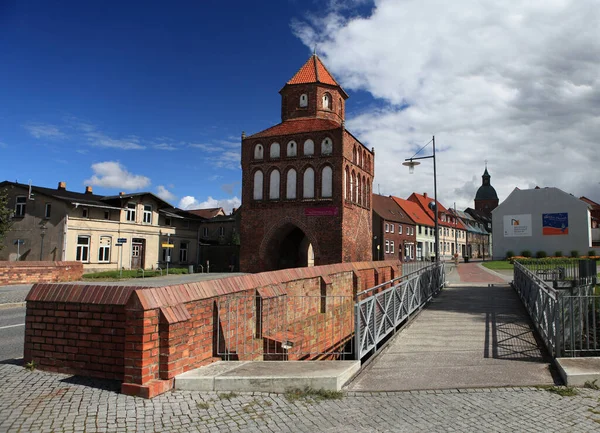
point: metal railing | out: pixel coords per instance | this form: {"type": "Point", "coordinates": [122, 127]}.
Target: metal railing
{"type": "Point", "coordinates": [380, 313]}
{"type": "Point", "coordinates": [567, 317]}
{"type": "Point", "coordinates": [285, 327]}
{"type": "Point", "coordinates": [541, 303]}
{"type": "Point", "coordinates": [563, 272]}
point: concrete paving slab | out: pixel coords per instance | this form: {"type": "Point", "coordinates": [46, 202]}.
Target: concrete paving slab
{"type": "Point", "coordinates": [578, 371]}
{"type": "Point", "coordinates": [268, 376]}
{"type": "Point", "coordinates": [469, 336]}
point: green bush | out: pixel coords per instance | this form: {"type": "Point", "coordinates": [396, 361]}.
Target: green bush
{"type": "Point", "coordinates": [591, 253]}
{"type": "Point", "coordinates": [509, 254]}
{"type": "Point", "coordinates": [541, 254]}
{"type": "Point", "coordinates": [574, 253]}
{"type": "Point", "coordinates": [558, 253]}
{"type": "Point", "coordinates": [526, 253]}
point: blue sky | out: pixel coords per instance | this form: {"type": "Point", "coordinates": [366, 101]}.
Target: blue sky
{"type": "Point", "coordinates": [97, 89]}
{"type": "Point", "coordinates": [153, 96]}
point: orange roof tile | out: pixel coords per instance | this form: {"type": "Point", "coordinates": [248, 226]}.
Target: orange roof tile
{"type": "Point", "coordinates": [297, 126]}
{"type": "Point", "coordinates": [423, 203]}
{"type": "Point", "coordinates": [313, 71]}
{"type": "Point", "coordinates": [414, 211]}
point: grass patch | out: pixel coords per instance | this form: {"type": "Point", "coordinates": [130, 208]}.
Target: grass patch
{"type": "Point", "coordinates": [496, 265]}
{"type": "Point", "coordinates": [563, 391]}
{"type": "Point", "coordinates": [308, 393]}
{"type": "Point", "coordinates": [592, 384]}
{"type": "Point", "coordinates": [227, 395]}
{"type": "Point", "coordinates": [128, 273]}
{"type": "Point", "coordinates": [203, 405]}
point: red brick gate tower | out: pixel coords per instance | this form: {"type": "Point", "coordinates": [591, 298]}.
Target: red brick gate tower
{"type": "Point", "coordinates": [306, 182]}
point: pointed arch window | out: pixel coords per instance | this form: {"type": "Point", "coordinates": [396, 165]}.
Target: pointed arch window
{"type": "Point", "coordinates": [274, 185]}
{"type": "Point", "coordinates": [258, 151]}
{"type": "Point", "coordinates": [354, 157]}
{"type": "Point", "coordinates": [292, 148]}
{"type": "Point", "coordinates": [347, 194]}
{"type": "Point", "coordinates": [258, 185]}
{"type": "Point", "coordinates": [358, 199]}
{"type": "Point", "coordinates": [326, 146]}
{"type": "Point", "coordinates": [368, 194]}
{"type": "Point", "coordinates": [326, 182]}
{"type": "Point", "coordinates": [274, 151]}
{"type": "Point", "coordinates": [308, 183]}
{"type": "Point", "coordinates": [303, 100]}
{"type": "Point", "coordinates": [291, 184]}
{"type": "Point", "coordinates": [364, 191]}
{"type": "Point", "coordinates": [309, 147]}
{"type": "Point", "coordinates": [353, 187]}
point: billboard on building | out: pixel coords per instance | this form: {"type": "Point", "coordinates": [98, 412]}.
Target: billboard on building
{"type": "Point", "coordinates": [555, 224]}
{"type": "Point", "coordinates": [517, 225]}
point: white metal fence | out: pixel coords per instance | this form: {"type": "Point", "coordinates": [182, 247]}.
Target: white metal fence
{"type": "Point", "coordinates": [386, 306]}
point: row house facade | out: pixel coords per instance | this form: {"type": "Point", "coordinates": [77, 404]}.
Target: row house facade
{"type": "Point", "coordinates": [424, 229]}
{"type": "Point", "coordinates": [58, 224]}
{"type": "Point", "coordinates": [478, 245]}
{"type": "Point", "coordinates": [394, 232]}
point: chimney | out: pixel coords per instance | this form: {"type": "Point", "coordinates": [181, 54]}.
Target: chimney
{"type": "Point", "coordinates": [425, 194]}
{"type": "Point", "coordinates": [62, 185]}
{"type": "Point", "coordinates": [88, 189]}
{"type": "Point", "coordinates": [121, 193]}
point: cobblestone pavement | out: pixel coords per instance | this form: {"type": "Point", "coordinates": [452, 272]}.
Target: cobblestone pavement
{"type": "Point", "coordinates": [14, 294]}
{"type": "Point", "coordinates": [45, 402]}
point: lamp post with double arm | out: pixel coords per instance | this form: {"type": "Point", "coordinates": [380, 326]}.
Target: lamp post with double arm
{"type": "Point", "coordinates": [411, 163]}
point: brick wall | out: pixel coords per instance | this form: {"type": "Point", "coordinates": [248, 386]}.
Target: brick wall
{"type": "Point", "coordinates": [39, 272]}
{"type": "Point", "coordinates": [146, 336]}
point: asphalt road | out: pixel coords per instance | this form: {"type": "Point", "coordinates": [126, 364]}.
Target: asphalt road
{"type": "Point", "coordinates": [12, 333]}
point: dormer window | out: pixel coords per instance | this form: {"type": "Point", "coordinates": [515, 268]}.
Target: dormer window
{"type": "Point", "coordinates": [303, 100]}
{"type": "Point", "coordinates": [326, 101]}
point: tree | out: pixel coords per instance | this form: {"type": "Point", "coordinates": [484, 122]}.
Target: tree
{"type": "Point", "coordinates": [5, 216]}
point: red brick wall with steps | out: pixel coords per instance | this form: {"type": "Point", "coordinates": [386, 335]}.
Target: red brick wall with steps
{"type": "Point", "coordinates": [146, 336]}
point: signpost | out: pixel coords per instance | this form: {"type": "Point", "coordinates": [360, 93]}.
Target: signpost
{"type": "Point", "coordinates": [168, 245]}
{"type": "Point", "coordinates": [120, 242]}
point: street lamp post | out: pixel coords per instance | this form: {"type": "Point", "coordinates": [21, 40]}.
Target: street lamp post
{"type": "Point", "coordinates": [410, 163]}
{"type": "Point", "coordinates": [42, 234]}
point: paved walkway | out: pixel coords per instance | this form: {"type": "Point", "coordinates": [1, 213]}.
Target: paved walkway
{"type": "Point", "coordinates": [471, 335]}
{"type": "Point", "coordinates": [43, 402]}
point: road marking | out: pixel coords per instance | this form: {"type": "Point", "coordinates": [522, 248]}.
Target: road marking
{"type": "Point", "coordinates": [12, 326]}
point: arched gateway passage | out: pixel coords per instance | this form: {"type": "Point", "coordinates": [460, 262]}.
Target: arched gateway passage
{"type": "Point", "coordinates": [288, 247]}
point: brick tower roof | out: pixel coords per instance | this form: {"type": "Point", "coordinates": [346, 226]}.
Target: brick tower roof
{"type": "Point", "coordinates": [313, 71]}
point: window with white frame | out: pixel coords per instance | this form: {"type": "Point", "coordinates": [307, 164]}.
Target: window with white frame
{"type": "Point", "coordinates": [274, 185]}
{"type": "Point", "coordinates": [20, 206]}
{"type": "Point", "coordinates": [290, 184]}
{"type": "Point", "coordinates": [130, 212]}
{"type": "Point", "coordinates": [391, 228]}
{"type": "Point", "coordinates": [309, 147]}
{"type": "Point", "coordinates": [147, 214]}
{"type": "Point", "coordinates": [387, 228]}
{"type": "Point", "coordinates": [327, 101]}
{"type": "Point", "coordinates": [221, 231]}
{"type": "Point", "coordinates": [258, 185]}
{"type": "Point", "coordinates": [391, 247]}
{"type": "Point", "coordinates": [387, 246]}
{"type": "Point", "coordinates": [83, 249]}
{"type": "Point", "coordinates": [399, 229]}
{"type": "Point", "coordinates": [205, 232]}
{"type": "Point", "coordinates": [48, 210]}
{"type": "Point", "coordinates": [292, 148]}
{"type": "Point", "coordinates": [308, 187]}
{"type": "Point", "coordinates": [104, 249]}
{"type": "Point", "coordinates": [183, 252]}
{"type": "Point", "coordinates": [326, 182]}
{"type": "Point", "coordinates": [274, 150]}
{"type": "Point", "coordinates": [258, 151]}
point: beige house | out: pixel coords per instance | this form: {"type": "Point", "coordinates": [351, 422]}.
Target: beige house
{"type": "Point", "coordinates": [103, 232]}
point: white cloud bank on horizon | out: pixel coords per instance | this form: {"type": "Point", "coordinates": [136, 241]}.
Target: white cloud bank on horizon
{"type": "Point", "coordinates": [189, 202]}
{"type": "Point", "coordinates": [111, 174]}
{"type": "Point", "coordinates": [515, 83]}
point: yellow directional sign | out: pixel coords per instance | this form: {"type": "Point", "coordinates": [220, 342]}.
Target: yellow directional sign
{"type": "Point", "coordinates": [168, 246]}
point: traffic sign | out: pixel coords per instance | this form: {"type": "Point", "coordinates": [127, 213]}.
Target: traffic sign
{"type": "Point", "coordinates": [19, 242]}
{"type": "Point", "coordinates": [168, 246]}
{"type": "Point", "coordinates": [122, 240]}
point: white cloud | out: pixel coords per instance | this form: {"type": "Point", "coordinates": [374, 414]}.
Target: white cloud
{"type": "Point", "coordinates": [3, 144]}
{"type": "Point", "coordinates": [165, 194]}
{"type": "Point", "coordinates": [99, 139]}
{"type": "Point", "coordinates": [44, 131]}
{"type": "Point", "coordinates": [515, 83]}
{"type": "Point", "coordinates": [227, 159]}
{"type": "Point", "coordinates": [189, 202]}
{"type": "Point", "coordinates": [165, 146]}
{"type": "Point", "coordinates": [111, 174]}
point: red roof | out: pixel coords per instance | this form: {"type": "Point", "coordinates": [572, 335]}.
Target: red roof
{"type": "Point", "coordinates": [389, 210]}
{"type": "Point", "coordinates": [313, 71]}
{"type": "Point", "coordinates": [297, 126]}
{"type": "Point", "coordinates": [423, 203]}
{"type": "Point", "coordinates": [592, 203]}
{"type": "Point", "coordinates": [208, 213]}
{"type": "Point", "coordinates": [414, 212]}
